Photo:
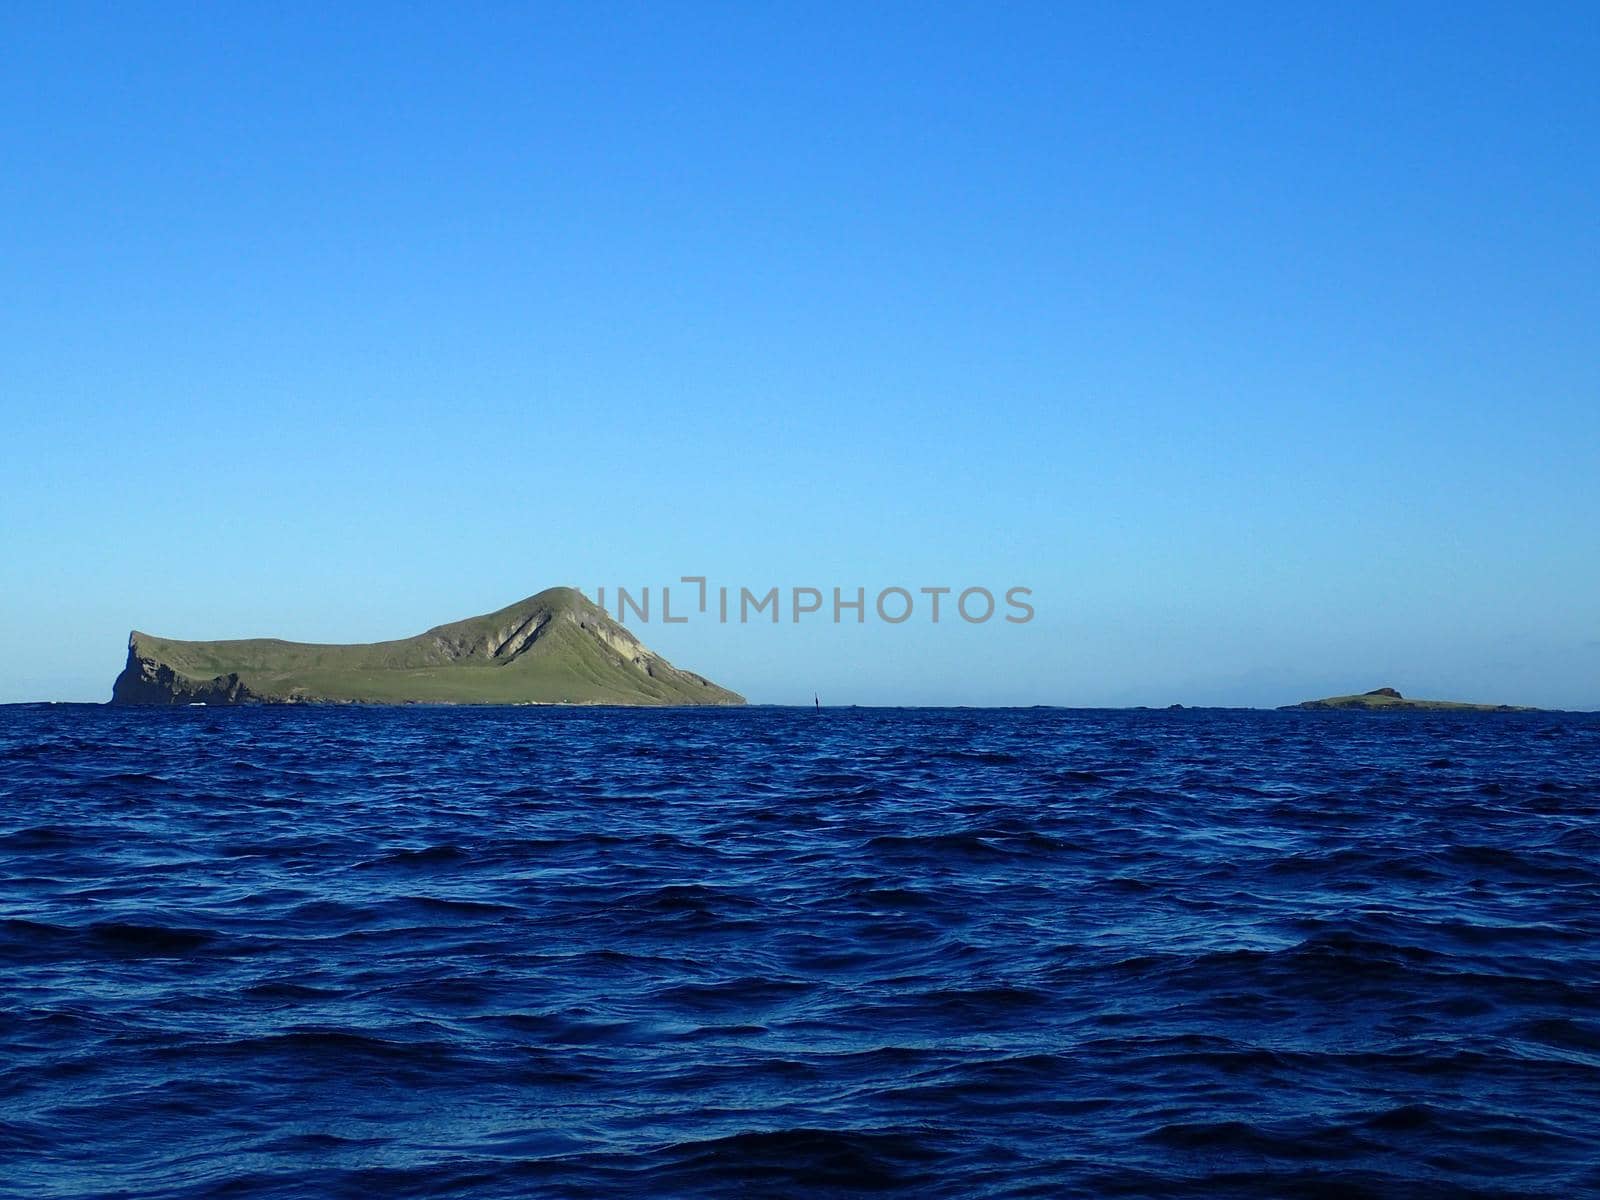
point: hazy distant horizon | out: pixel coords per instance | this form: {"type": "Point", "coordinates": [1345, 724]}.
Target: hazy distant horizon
{"type": "Point", "coordinates": [729, 654]}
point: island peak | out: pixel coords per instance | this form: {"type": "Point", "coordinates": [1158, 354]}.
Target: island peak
{"type": "Point", "coordinates": [554, 647]}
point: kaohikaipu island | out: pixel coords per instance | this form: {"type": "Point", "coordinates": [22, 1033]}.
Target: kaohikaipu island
{"type": "Point", "coordinates": [555, 647]}
{"type": "Point", "coordinates": [1387, 699]}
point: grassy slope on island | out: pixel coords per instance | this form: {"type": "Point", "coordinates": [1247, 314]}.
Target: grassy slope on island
{"type": "Point", "coordinates": [1387, 699]}
{"type": "Point", "coordinates": [555, 648]}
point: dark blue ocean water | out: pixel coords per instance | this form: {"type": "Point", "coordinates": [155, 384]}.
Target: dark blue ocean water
{"type": "Point", "coordinates": [348, 952]}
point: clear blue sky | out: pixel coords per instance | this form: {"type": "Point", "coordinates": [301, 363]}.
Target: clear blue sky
{"type": "Point", "coordinates": [1259, 340]}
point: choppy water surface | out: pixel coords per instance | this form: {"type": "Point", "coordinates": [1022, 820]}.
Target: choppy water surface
{"type": "Point", "coordinates": [285, 952]}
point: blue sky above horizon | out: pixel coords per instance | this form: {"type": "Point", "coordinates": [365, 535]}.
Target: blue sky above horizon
{"type": "Point", "coordinates": [1257, 340]}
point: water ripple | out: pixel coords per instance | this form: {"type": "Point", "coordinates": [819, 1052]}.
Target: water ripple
{"type": "Point", "coordinates": [957, 953]}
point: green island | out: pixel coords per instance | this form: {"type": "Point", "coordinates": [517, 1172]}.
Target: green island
{"type": "Point", "coordinates": [555, 647]}
{"type": "Point", "coordinates": [1386, 699]}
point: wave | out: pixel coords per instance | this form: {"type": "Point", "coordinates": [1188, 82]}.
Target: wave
{"type": "Point", "coordinates": [938, 954]}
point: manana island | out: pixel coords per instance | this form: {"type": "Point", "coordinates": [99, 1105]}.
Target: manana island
{"type": "Point", "coordinates": [553, 648]}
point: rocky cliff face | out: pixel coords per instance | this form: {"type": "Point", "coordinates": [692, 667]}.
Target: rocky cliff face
{"type": "Point", "coordinates": [144, 680]}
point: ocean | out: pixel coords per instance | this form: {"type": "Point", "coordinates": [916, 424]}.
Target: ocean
{"type": "Point", "coordinates": [284, 952]}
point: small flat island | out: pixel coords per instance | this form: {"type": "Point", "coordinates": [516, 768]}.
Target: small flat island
{"type": "Point", "coordinates": [1387, 699]}
{"type": "Point", "coordinates": [556, 647]}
